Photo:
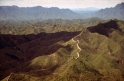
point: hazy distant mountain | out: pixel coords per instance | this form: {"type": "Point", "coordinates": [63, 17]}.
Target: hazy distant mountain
{"type": "Point", "coordinates": [86, 12]}
{"type": "Point", "coordinates": [116, 12]}
{"type": "Point", "coordinates": [38, 12]}
{"type": "Point", "coordinates": [42, 13]}
{"type": "Point", "coordinates": [86, 9]}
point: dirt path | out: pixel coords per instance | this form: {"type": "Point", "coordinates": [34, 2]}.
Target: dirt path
{"type": "Point", "coordinates": [9, 76]}
{"type": "Point", "coordinates": [77, 47]}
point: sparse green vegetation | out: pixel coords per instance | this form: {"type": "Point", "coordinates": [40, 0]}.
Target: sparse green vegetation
{"type": "Point", "coordinates": [48, 26]}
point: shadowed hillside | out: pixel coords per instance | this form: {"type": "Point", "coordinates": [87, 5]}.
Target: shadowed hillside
{"type": "Point", "coordinates": [105, 28]}
{"type": "Point", "coordinates": [18, 49]}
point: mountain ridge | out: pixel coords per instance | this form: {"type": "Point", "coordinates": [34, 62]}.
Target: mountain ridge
{"type": "Point", "coordinates": [111, 13]}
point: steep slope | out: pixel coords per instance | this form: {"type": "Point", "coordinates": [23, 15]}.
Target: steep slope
{"type": "Point", "coordinates": [35, 13]}
{"type": "Point", "coordinates": [90, 55]}
{"type": "Point", "coordinates": [109, 13]}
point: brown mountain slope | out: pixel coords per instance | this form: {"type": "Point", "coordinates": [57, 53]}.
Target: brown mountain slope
{"type": "Point", "coordinates": [96, 54]}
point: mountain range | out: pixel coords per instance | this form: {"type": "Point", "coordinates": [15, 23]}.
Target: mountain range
{"type": "Point", "coordinates": [42, 13]}
{"type": "Point", "coordinates": [48, 26]}
{"type": "Point", "coordinates": [35, 13]}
